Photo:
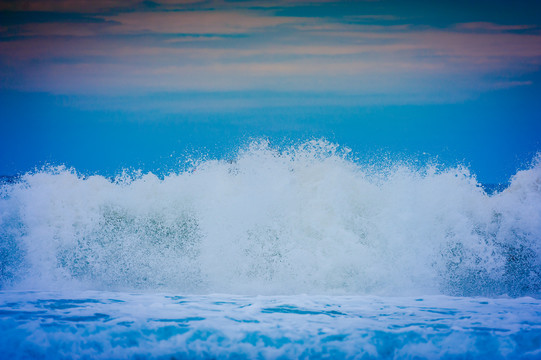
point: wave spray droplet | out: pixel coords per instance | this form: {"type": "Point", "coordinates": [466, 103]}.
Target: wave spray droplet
{"type": "Point", "coordinates": [307, 219]}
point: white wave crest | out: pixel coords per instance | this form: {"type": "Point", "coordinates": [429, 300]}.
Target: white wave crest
{"type": "Point", "coordinates": [307, 219]}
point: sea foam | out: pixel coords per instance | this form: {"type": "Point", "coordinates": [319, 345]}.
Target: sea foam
{"type": "Point", "coordinates": [306, 219]}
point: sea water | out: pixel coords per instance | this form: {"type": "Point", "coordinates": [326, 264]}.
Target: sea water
{"type": "Point", "coordinates": [117, 325]}
{"type": "Point", "coordinates": [301, 252]}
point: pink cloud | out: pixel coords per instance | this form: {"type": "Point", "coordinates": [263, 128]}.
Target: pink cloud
{"type": "Point", "coordinates": [196, 22]}
{"type": "Point", "coordinates": [300, 75]}
{"type": "Point", "coordinates": [449, 45]}
{"type": "Point", "coordinates": [185, 22]}
{"type": "Point", "coordinates": [509, 84]}
{"type": "Point", "coordinates": [311, 54]}
{"type": "Point", "coordinates": [480, 46]}
{"type": "Point", "coordinates": [100, 6]}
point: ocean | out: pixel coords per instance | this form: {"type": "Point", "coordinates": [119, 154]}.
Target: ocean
{"type": "Point", "coordinates": [302, 252]}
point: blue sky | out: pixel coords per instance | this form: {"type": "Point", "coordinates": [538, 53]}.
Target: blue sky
{"type": "Point", "coordinates": [101, 85]}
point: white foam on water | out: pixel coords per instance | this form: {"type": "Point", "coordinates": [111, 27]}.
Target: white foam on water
{"type": "Point", "coordinates": [120, 325]}
{"type": "Point", "coordinates": [307, 219]}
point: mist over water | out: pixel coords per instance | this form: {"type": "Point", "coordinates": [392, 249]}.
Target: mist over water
{"type": "Point", "coordinates": [306, 219]}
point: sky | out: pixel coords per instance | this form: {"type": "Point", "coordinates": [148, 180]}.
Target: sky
{"type": "Point", "coordinates": [104, 85]}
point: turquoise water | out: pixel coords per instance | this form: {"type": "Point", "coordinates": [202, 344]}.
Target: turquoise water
{"type": "Point", "coordinates": [119, 325]}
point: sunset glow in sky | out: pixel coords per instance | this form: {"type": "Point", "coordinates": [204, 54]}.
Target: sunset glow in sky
{"type": "Point", "coordinates": [106, 84]}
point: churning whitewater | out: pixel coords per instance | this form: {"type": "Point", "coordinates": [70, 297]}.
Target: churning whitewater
{"type": "Point", "coordinates": [307, 219]}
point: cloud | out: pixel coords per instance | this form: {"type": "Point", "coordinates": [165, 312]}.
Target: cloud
{"type": "Point", "coordinates": [68, 6]}
{"type": "Point", "coordinates": [481, 48]}
{"type": "Point", "coordinates": [386, 63]}
{"type": "Point", "coordinates": [510, 84]}
{"type": "Point", "coordinates": [356, 81]}
{"type": "Point", "coordinates": [448, 45]}
{"type": "Point", "coordinates": [242, 50]}
{"type": "Point", "coordinates": [311, 75]}
{"type": "Point", "coordinates": [371, 18]}
{"type": "Point", "coordinates": [66, 29]}
{"type": "Point", "coordinates": [196, 22]}
{"type": "Point", "coordinates": [212, 22]}
{"type": "Point", "coordinates": [491, 27]}
{"type": "Point", "coordinates": [106, 6]}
